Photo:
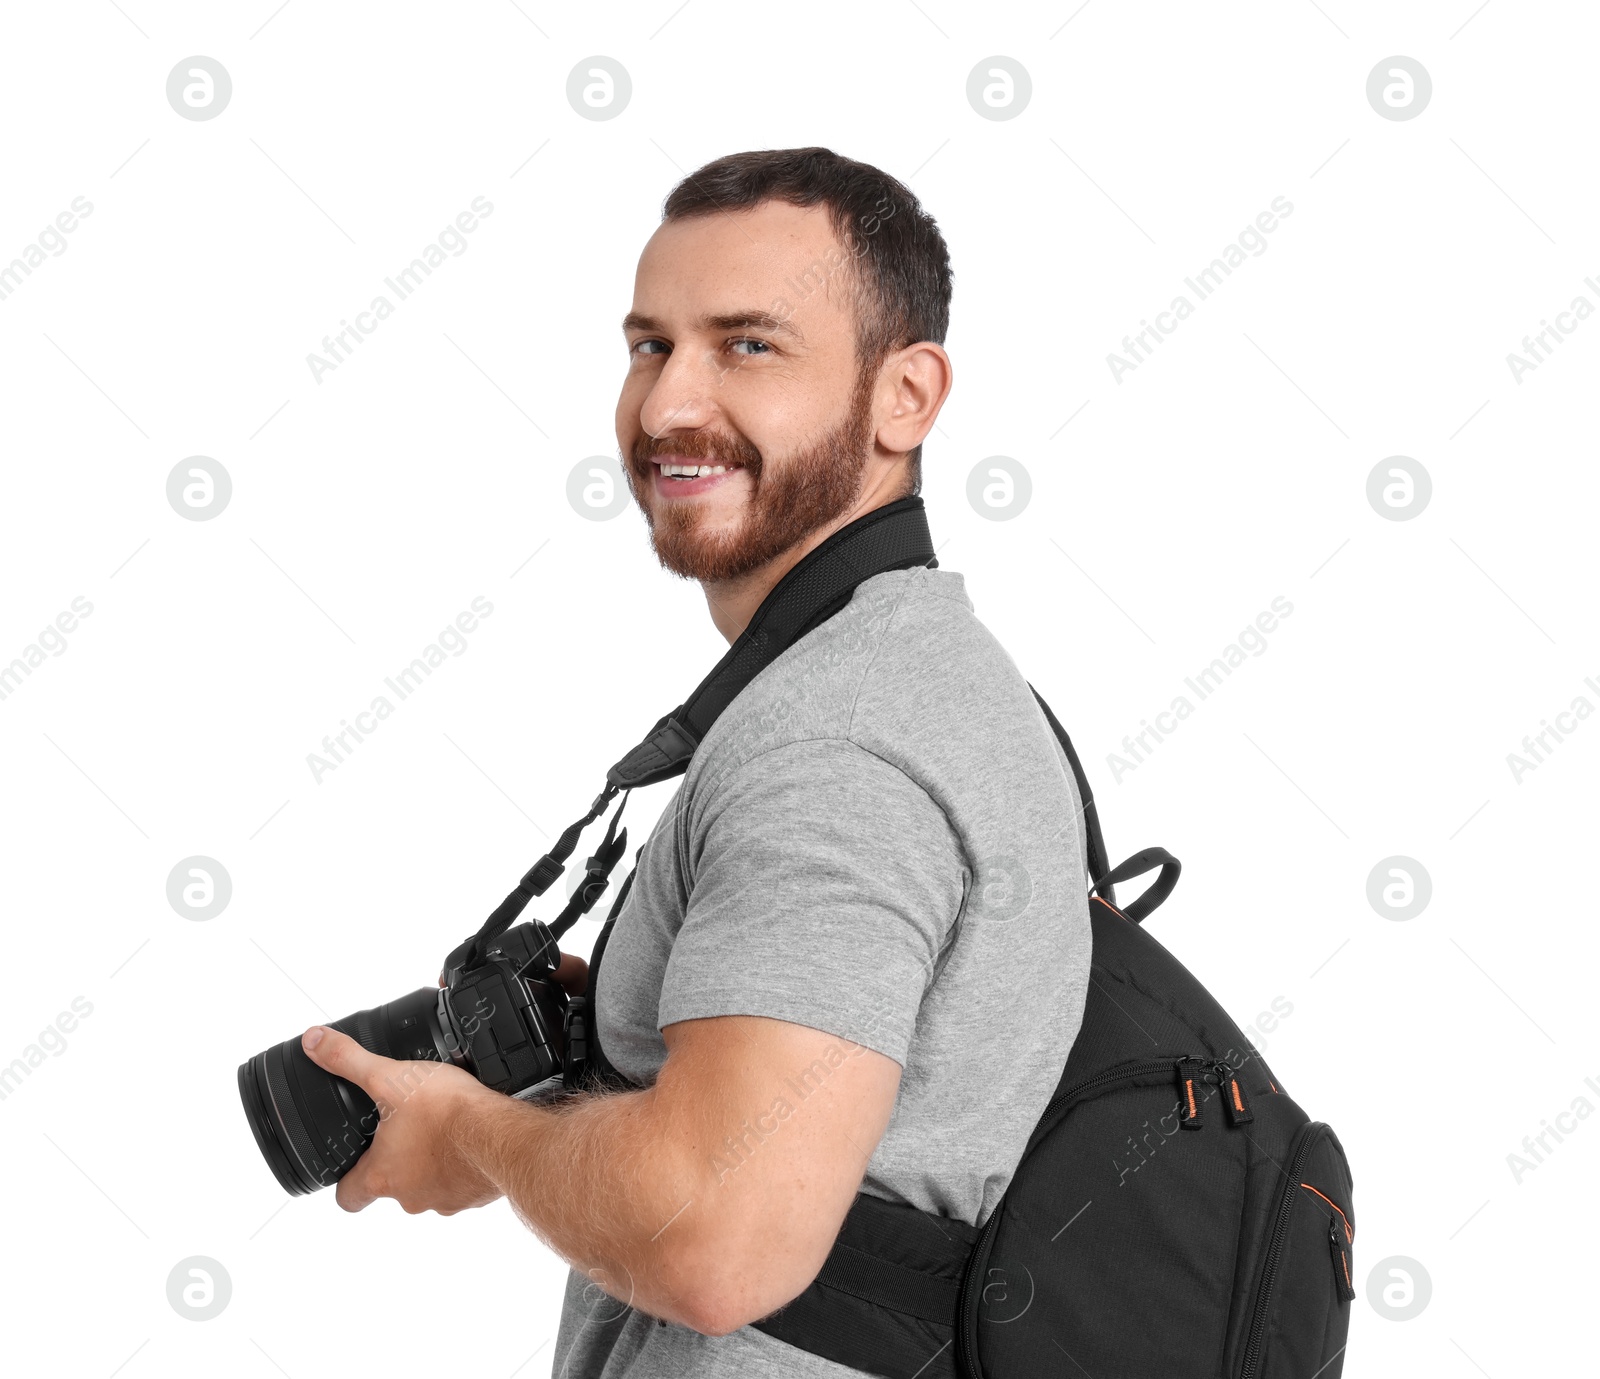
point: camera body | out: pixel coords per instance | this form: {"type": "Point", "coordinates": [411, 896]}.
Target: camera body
{"type": "Point", "coordinates": [507, 1011]}
{"type": "Point", "coordinates": [500, 1018]}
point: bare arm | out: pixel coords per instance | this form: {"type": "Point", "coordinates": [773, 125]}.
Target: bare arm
{"type": "Point", "coordinates": [709, 1199]}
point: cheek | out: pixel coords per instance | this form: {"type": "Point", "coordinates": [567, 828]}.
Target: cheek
{"type": "Point", "coordinates": [633, 397]}
{"type": "Point", "coordinates": [629, 403]}
{"type": "Point", "coordinates": [774, 414]}
{"type": "Point", "coordinates": [631, 392]}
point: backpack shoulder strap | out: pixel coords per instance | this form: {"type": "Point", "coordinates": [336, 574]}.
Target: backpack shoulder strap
{"type": "Point", "coordinates": [888, 1296]}
{"type": "Point", "coordinates": [1099, 861]}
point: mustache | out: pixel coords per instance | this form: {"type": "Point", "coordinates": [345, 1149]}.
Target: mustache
{"type": "Point", "coordinates": [708, 447]}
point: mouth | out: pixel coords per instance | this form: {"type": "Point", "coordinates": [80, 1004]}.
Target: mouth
{"type": "Point", "coordinates": [677, 478]}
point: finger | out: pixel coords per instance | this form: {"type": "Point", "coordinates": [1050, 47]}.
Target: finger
{"type": "Point", "coordinates": [572, 972]}
{"type": "Point", "coordinates": [354, 1192]}
{"type": "Point", "coordinates": [340, 1054]}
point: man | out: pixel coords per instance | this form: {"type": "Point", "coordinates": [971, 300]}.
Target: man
{"type": "Point", "coordinates": [855, 951]}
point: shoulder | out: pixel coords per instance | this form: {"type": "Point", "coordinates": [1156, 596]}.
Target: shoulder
{"type": "Point", "coordinates": [898, 625]}
{"type": "Point", "coordinates": [939, 678]}
{"type": "Point", "coordinates": [904, 678]}
{"type": "Point", "coordinates": [927, 638]}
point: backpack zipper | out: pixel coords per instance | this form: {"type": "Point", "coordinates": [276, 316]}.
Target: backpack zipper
{"type": "Point", "coordinates": [1122, 1073]}
{"type": "Point", "coordinates": [1344, 1218]}
{"type": "Point", "coordinates": [1280, 1229]}
{"type": "Point", "coordinates": [1341, 1264]}
{"type": "Point", "coordinates": [1126, 1072]}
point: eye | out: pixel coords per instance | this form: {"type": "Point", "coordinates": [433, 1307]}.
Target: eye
{"type": "Point", "coordinates": [758, 346]}
{"type": "Point", "coordinates": [645, 347]}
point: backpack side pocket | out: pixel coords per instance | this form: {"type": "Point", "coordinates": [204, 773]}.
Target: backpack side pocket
{"type": "Point", "coordinates": [1306, 1281]}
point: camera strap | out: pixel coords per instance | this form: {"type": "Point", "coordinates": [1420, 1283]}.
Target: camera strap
{"type": "Point", "coordinates": [892, 537]}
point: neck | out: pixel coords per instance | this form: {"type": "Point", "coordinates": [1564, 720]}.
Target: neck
{"type": "Point", "coordinates": [733, 602]}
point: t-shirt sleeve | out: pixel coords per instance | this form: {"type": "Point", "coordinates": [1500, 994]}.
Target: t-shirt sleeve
{"type": "Point", "coordinates": [824, 887]}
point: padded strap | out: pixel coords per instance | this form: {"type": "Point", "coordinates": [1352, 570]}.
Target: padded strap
{"type": "Point", "coordinates": [663, 754]}
{"type": "Point", "coordinates": [887, 1297]}
{"type": "Point", "coordinates": [893, 537]}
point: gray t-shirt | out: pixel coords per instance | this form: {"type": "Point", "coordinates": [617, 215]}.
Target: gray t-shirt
{"type": "Point", "coordinates": [881, 839]}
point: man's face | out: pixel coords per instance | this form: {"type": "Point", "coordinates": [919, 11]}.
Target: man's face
{"type": "Point", "coordinates": [742, 356]}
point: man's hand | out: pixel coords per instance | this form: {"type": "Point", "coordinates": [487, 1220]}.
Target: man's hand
{"type": "Point", "coordinates": [413, 1158]}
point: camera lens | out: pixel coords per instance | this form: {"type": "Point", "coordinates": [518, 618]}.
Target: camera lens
{"type": "Point", "coordinates": [312, 1126]}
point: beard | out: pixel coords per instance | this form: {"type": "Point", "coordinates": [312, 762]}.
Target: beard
{"type": "Point", "coordinates": [789, 499]}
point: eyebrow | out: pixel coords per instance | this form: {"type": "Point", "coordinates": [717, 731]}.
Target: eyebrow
{"type": "Point", "coordinates": [732, 320]}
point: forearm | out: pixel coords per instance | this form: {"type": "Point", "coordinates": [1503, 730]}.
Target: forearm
{"type": "Point", "coordinates": [603, 1181]}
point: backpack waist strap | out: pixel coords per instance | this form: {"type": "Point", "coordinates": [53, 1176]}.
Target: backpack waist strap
{"type": "Point", "coordinates": [886, 1298]}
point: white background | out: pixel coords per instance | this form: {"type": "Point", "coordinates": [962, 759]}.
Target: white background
{"type": "Point", "coordinates": [371, 507]}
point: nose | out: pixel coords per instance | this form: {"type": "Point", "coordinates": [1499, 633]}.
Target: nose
{"type": "Point", "coordinates": [683, 396]}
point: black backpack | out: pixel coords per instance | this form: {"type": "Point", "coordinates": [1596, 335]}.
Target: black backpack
{"type": "Point", "coordinates": [1174, 1212]}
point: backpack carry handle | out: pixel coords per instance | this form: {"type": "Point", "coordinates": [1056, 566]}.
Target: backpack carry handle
{"type": "Point", "coordinates": [1138, 865]}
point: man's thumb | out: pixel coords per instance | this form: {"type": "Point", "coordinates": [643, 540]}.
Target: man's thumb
{"type": "Point", "coordinates": [340, 1054]}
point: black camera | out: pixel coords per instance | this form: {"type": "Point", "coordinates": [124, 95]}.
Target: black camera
{"type": "Point", "coordinates": [499, 1016]}
{"type": "Point", "coordinates": [498, 1012]}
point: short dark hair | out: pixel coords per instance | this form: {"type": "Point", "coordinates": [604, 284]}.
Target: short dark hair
{"type": "Point", "coordinates": [902, 265]}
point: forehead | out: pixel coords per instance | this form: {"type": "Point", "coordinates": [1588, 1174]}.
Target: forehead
{"type": "Point", "coordinates": [773, 257]}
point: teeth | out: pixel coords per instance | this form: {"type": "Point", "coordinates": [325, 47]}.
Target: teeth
{"type": "Point", "coordinates": [694, 471]}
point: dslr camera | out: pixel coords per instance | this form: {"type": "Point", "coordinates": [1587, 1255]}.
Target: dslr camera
{"type": "Point", "coordinates": [498, 1012]}
{"type": "Point", "coordinates": [501, 1016]}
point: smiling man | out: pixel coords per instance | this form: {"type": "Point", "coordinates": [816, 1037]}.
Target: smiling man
{"type": "Point", "coordinates": [854, 953]}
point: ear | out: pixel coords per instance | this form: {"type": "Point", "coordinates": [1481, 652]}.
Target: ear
{"type": "Point", "coordinates": [912, 387]}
